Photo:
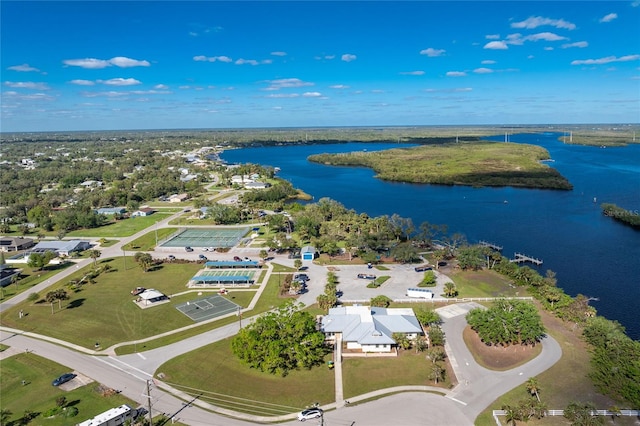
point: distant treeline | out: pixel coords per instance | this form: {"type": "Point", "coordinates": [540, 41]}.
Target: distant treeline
{"type": "Point", "coordinates": [628, 217]}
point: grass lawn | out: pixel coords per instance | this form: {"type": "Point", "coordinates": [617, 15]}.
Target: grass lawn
{"type": "Point", "coordinates": [362, 375]}
{"type": "Point", "coordinates": [269, 299]}
{"type": "Point", "coordinates": [483, 283]}
{"type": "Point", "coordinates": [104, 312]}
{"type": "Point", "coordinates": [120, 228]}
{"type": "Point", "coordinates": [148, 241]}
{"type": "Point", "coordinates": [30, 277]}
{"type": "Point", "coordinates": [39, 396]}
{"type": "Point", "coordinates": [224, 381]}
{"type": "Point", "coordinates": [566, 381]}
{"type": "Point", "coordinates": [497, 357]}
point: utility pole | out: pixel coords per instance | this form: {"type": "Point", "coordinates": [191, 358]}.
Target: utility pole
{"type": "Point", "coordinates": [240, 316]}
{"type": "Point", "coordinates": [149, 402]}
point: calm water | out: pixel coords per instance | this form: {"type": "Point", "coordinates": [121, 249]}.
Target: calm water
{"type": "Point", "coordinates": [590, 253]}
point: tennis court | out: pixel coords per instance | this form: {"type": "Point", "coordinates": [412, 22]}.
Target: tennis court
{"type": "Point", "coordinates": [206, 237]}
{"type": "Point", "coordinates": [206, 308]}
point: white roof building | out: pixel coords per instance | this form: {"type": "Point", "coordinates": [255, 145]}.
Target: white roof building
{"type": "Point", "coordinates": [370, 329]}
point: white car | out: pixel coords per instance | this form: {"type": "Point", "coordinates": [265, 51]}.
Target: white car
{"type": "Point", "coordinates": [310, 413]}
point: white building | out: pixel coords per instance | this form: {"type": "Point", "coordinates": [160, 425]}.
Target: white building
{"type": "Point", "coordinates": [113, 417]}
{"type": "Point", "coordinates": [370, 329]}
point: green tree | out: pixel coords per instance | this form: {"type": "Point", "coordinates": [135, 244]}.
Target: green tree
{"type": "Point", "coordinates": [436, 354]}
{"type": "Point", "coordinates": [326, 301]}
{"type": "Point", "coordinates": [437, 372]}
{"type": "Point", "coordinates": [144, 260]}
{"type": "Point", "coordinates": [429, 279]}
{"type": "Point", "coordinates": [263, 255]}
{"type": "Point", "coordinates": [4, 416]}
{"type": "Point", "coordinates": [511, 415]}
{"type": "Point", "coordinates": [450, 289]}
{"type": "Point", "coordinates": [436, 336]}
{"type": "Point", "coordinates": [507, 322]}
{"type": "Point", "coordinates": [95, 254]}
{"type": "Point", "coordinates": [533, 387]}
{"type": "Point", "coordinates": [582, 414]}
{"type": "Point", "coordinates": [281, 340]}
{"type": "Point", "coordinates": [381, 301]}
{"type": "Point", "coordinates": [427, 317]}
{"type": "Point", "coordinates": [402, 340]}
{"type": "Point", "coordinates": [297, 264]}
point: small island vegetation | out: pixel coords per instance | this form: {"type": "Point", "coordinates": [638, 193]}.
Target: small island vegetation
{"type": "Point", "coordinates": [628, 217]}
{"type": "Point", "coordinates": [474, 164]}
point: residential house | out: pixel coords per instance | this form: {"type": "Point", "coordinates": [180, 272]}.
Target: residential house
{"type": "Point", "coordinates": [370, 329]}
{"type": "Point", "coordinates": [8, 244]}
{"type": "Point", "coordinates": [111, 210]}
{"type": "Point", "coordinates": [178, 198]}
{"type": "Point", "coordinates": [62, 247]}
{"type": "Point", "coordinates": [145, 211]}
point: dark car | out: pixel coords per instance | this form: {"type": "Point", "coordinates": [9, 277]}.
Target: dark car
{"type": "Point", "coordinates": [237, 258]}
{"type": "Point", "coordinates": [202, 257]}
{"type": "Point", "coordinates": [302, 277]}
{"type": "Point", "coordinates": [63, 379]}
{"type": "Point", "coordinates": [422, 268]}
{"type": "Point", "coordinates": [187, 248]}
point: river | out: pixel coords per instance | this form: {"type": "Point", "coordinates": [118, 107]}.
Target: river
{"type": "Point", "coordinates": [591, 253]}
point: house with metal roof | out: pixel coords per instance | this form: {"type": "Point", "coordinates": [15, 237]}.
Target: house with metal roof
{"type": "Point", "coordinates": [8, 244]}
{"type": "Point", "coordinates": [370, 329]}
{"type": "Point", "coordinates": [111, 210]}
{"type": "Point", "coordinates": [62, 247]}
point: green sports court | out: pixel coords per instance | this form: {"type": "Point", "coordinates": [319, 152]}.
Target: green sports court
{"type": "Point", "coordinates": [205, 237]}
{"type": "Point", "coordinates": [209, 307]}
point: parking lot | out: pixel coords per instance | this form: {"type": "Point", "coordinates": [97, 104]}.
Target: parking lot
{"type": "Point", "coordinates": [401, 278]}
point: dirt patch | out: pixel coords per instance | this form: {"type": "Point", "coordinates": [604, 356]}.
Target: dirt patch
{"type": "Point", "coordinates": [498, 357]}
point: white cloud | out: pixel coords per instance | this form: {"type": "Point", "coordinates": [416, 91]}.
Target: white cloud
{"type": "Point", "coordinates": [432, 53]}
{"type": "Point", "coordinates": [456, 74]}
{"type": "Point", "coordinates": [453, 90]}
{"type": "Point", "coordinates": [606, 60]}
{"type": "Point", "coordinates": [160, 87]}
{"type": "Point", "coordinates": [23, 68]}
{"type": "Point", "coordinates": [27, 85]}
{"type": "Point", "coordinates": [538, 21]}
{"type": "Point", "coordinates": [483, 70]}
{"type": "Point", "coordinates": [546, 36]}
{"type": "Point", "coordinates": [254, 62]}
{"type": "Point", "coordinates": [576, 44]}
{"type": "Point", "coordinates": [496, 45]}
{"type": "Point", "coordinates": [339, 86]}
{"type": "Point", "coordinates": [120, 82]}
{"type": "Point", "coordinates": [492, 36]}
{"type": "Point", "coordinates": [286, 83]}
{"type": "Point", "coordinates": [488, 62]}
{"type": "Point", "coordinates": [610, 17]}
{"type": "Point", "coordinates": [193, 34]}
{"type": "Point", "coordinates": [279, 53]}
{"type": "Point", "coordinates": [282, 95]}
{"type": "Point", "coordinates": [93, 63]}
{"type": "Point", "coordinates": [312, 94]}
{"type": "Point", "coordinates": [412, 73]}
{"type": "Point", "coordinates": [348, 57]}
{"type": "Point", "coordinates": [83, 82]}
{"type": "Point", "coordinates": [122, 62]}
{"type": "Point", "coordinates": [202, 58]}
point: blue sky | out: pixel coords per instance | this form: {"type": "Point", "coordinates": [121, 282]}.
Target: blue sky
{"type": "Point", "coordinates": [88, 65]}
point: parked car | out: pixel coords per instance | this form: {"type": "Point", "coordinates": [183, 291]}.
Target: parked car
{"type": "Point", "coordinates": [171, 257]}
{"type": "Point", "coordinates": [237, 258]}
{"type": "Point", "coordinates": [187, 248]}
{"type": "Point", "coordinates": [422, 268]}
{"type": "Point", "coordinates": [202, 257]}
{"type": "Point", "coordinates": [303, 277]}
{"type": "Point", "coordinates": [136, 291]}
{"type": "Point", "coordinates": [63, 379]}
{"type": "Point", "coordinates": [311, 413]}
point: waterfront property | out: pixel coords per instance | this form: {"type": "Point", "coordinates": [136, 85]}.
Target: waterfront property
{"type": "Point", "coordinates": [370, 329]}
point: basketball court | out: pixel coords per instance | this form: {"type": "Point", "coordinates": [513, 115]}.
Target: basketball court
{"type": "Point", "coordinates": [206, 308]}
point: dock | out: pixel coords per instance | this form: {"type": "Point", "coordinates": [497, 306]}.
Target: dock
{"type": "Point", "coordinates": [520, 258]}
{"type": "Point", "coordinates": [490, 245]}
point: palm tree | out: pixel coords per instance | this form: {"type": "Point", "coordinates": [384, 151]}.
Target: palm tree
{"type": "Point", "coordinates": [450, 289]}
{"type": "Point", "coordinates": [4, 416]}
{"type": "Point", "coordinates": [533, 387]}
{"type": "Point", "coordinates": [437, 372]}
{"type": "Point", "coordinates": [95, 254]}
{"type": "Point", "coordinates": [510, 414]}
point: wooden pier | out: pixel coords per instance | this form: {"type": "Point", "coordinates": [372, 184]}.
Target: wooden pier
{"type": "Point", "coordinates": [490, 245]}
{"type": "Point", "coordinates": [519, 258]}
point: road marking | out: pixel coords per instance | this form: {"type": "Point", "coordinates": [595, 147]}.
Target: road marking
{"type": "Point", "coordinates": [141, 356]}
{"type": "Point", "coordinates": [98, 358]}
{"type": "Point", "coordinates": [456, 400]}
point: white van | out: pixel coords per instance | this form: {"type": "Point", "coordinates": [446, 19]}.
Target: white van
{"type": "Point", "coordinates": [422, 293]}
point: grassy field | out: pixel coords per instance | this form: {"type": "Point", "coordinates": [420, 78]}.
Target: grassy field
{"type": "Point", "coordinates": [362, 375]}
{"type": "Point", "coordinates": [224, 381]}
{"type": "Point", "coordinates": [121, 228]}
{"type": "Point", "coordinates": [270, 298]}
{"type": "Point", "coordinates": [148, 241]}
{"type": "Point", "coordinates": [104, 311]}
{"type": "Point", "coordinates": [30, 277]}
{"type": "Point", "coordinates": [484, 283]}
{"type": "Point", "coordinates": [601, 137]}
{"type": "Point", "coordinates": [39, 396]}
{"type": "Point", "coordinates": [477, 164]}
